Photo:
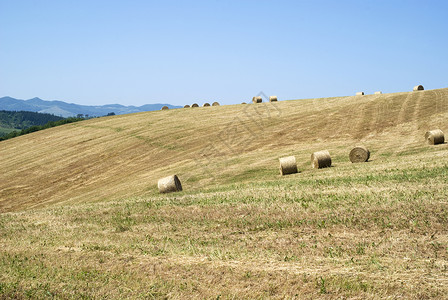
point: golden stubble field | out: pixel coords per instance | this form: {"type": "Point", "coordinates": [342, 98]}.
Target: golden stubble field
{"type": "Point", "coordinates": [82, 217]}
{"type": "Point", "coordinates": [122, 156]}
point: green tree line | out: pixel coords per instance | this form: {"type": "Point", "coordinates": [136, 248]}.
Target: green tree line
{"type": "Point", "coordinates": [25, 119]}
{"type": "Point", "coordinates": [39, 127]}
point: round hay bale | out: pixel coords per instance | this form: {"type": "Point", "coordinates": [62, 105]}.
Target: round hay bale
{"type": "Point", "coordinates": [206, 104]}
{"type": "Point", "coordinates": [321, 159]}
{"type": "Point", "coordinates": [359, 93]}
{"type": "Point", "coordinates": [215, 103]}
{"type": "Point", "coordinates": [288, 165]}
{"type": "Point", "coordinates": [273, 98]}
{"type": "Point", "coordinates": [165, 108]}
{"type": "Point", "coordinates": [378, 93]}
{"type": "Point", "coordinates": [243, 103]}
{"type": "Point", "coordinates": [194, 105]}
{"type": "Point", "coordinates": [187, 106]}
{"type": "Point", "coordinates": [434, 137]}
{"type": "Point", "coordinates": [418, 88]}
{"type": "Point", "coordinates": [359, 154]}
{"type": "Point", "coordinates": [257, 100]}
{"type": "Point", "coordinates": [169, 184]}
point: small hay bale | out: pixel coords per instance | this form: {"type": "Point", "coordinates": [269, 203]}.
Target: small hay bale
{"type": "Point", "coordinates": [359, 154]}
{"type": "Point", "coordinates": [169, 184]}
{"type": "Point", "coordinates": [434, 137]}
{"type": "Point", "coordinates": [273, 99]}
{"type": "Point", "coordinates": [257, 100]}
{"type": "Point", "coordinates": [215, 103]}
{"type": "Point", "coordinates": [194, 105]}
{"type": "Point", "coordinates": [360, 94]}
{"type": "Point", "coordinates": [321, 159]}
{"type": "Point", "coordinates": [187, 106]}
{"type": "Point", "coordinates": [243, 103]}
{"type": "Point", "coordinates": [165, 108]}
{"type": "Point", "coordinates": [288, 165]}
{"type": "Point", "coordinates": [378, 93]}
{"type": "Point", "coordinates": [206, 104]}
{"type": "Point", "coordinates": [418, 88]}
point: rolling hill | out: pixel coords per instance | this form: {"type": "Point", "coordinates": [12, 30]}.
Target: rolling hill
{"type": "Point", "coordinates": [63, 109]}
{"type": "Point", "coordinates": [81, 212]}
{"type": "Point", "coordinates": [123, 156]}
{"type": "Point", "coordinates": [17, 120]}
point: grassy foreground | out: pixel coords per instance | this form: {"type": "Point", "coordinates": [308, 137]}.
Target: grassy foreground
{"type": "Point", "coordinates": [362, 231]}
{"type": "Point", "coordinates": [239, 230]}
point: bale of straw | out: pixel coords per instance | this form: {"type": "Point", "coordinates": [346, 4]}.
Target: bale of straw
{"type": "Point", "coordinates": [359, 93]}
{"type": "Point", "coordinates": [273, 98]}
{"type": "Point", "coordinates": [215, 103]}
{"type": "Point", "coordinates": [165, 107]}
{"type": "Point", "coordinates": [206, 104]}
{"type": "Point", "coordinates": [321, 159]}
{"type": "Point", "coordinates": [194, 105]}
{"type": "Point", "coordinates": [434, 137]}
{"type": "Point", "coordinates": [418, 88]}
{"type": "Point", "coordinates": [257, 100]}
{"type": "Point", "coordinates": [169, 184]}
{"type": "Point", "coordinates": [378, 93]}
{"type": "Point", "coordinates": [288, 165]}
{"type": "Point", "coordinates": [187, 106]}
{"type": "Point", "coordinates": [359, 154]}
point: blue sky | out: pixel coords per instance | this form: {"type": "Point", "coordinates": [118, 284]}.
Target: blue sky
{"type": "Point", "coordinates": [136, 52]}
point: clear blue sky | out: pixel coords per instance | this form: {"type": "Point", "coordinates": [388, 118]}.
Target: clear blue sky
{"type": "Point", "coordinates": [136, 52]}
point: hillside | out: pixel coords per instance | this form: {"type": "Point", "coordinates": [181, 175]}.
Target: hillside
{"type": "Point", "coordinates": [17, 120]}
{"type": "Point", "coordinates": [82, 216]}
{"type": "Point", "coordinates": [125, 155]}
{"type": "Point", "coordinates": [63, 109]}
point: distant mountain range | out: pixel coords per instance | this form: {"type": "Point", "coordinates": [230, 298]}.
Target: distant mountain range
{"type": "Point", "coordinates": [63, 109]}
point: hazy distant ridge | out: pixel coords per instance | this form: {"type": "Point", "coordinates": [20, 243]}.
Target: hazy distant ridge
{"type": "Point", "coordinates": [63, 109]}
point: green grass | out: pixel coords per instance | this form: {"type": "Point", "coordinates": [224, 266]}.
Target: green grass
{"type": "Point", "coordinates": [5, 131]}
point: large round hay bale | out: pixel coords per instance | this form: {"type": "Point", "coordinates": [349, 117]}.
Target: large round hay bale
{"type": "Point", "coordinates": [288, 165]}
{"type": "Point", "coordinates": [194, 105]}
{"type": "Point", "coordinates": [273, 98]}
{"type": "Point", "coordinates": [187, 106]}
{"type": "Point", "coordinates": [165, 108]}
{"type": "Point", "coordinates": [434, 137]}
{"type": "Point", "coordinates": [169, 184]}
{"type": "Point", "coordinates": [359, 93]}
{"type": "Point", "coordinates": [215, 103]}
{"type": "Point", "coordinates": [359, 154]}
{"type": "Point", "coordinates": [206, 104]}
{"type": "Point", "coordinates": [257, 100]}
{"type": "Point", "coordinates": [418, 88]}
{"type": "Point", "coordinates": [321, 159]}
{"type": "Point", "coordinates": [378, 93]}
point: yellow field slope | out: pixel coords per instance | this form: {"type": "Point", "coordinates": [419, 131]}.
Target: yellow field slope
{"type": "Point", "coordinates": [121, 156]}
{"type": "Point", "coordinates": [86, 221]}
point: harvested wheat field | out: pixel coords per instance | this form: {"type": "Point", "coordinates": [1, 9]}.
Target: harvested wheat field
{"type": "Point", "coordinates": [81, 216]}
